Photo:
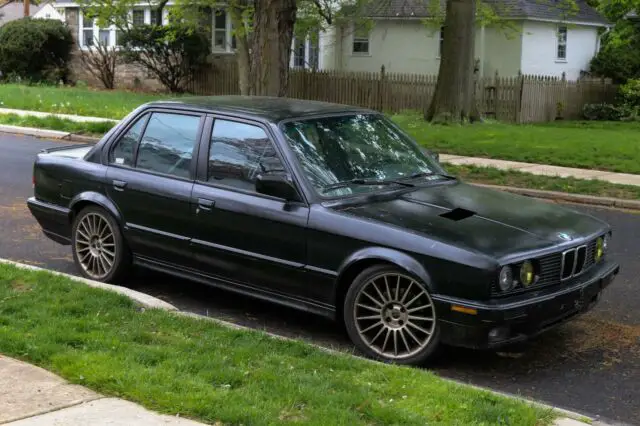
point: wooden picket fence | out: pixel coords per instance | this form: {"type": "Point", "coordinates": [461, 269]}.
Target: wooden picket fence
{"type": "Point", "coordinates": [521, 99]}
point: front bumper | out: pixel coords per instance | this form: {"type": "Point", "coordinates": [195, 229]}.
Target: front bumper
{"type": "Point", "coordinates": [503, 322]}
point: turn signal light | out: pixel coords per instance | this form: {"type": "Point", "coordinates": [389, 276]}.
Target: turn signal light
{"type": "Point", "coordinates": [464, 310]}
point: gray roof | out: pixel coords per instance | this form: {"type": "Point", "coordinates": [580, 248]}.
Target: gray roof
{"type": "Point", "coordinates": [555, 10]}
{"type": "Point", "coordinates": [15, 10]}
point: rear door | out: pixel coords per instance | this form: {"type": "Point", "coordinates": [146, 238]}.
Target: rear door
{"type": "Point", "coordinates": [150, 178]}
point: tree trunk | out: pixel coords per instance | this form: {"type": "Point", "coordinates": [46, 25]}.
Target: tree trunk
{"type": "Point", "coordinates": [271, 46]}
{"type": "Point", "coordinates": [242, 47]}
{"type": "Point", "coordinates": [453, 99]}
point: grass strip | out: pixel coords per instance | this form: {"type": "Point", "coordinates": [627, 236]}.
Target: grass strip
{"type": "Point", "coordinates": [588, 145]}
{"type": "Point", "coordinates": [198, 369]}
{"type": "Point", "coordinates": [518, 179]}
{"type": "Point", "coordinates": [55, 123]}
{"type": "Point", "coordinates": [74, 100]}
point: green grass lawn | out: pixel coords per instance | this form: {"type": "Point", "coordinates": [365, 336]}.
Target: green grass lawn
{"type": "Point", "coordinates": [603, 146]}
{"type": "Point", "coordinates": [492, 176]}
{"type": "Point", "coordinates": [593, 145]}
{"type": "Point", "coordinates": [55, 123]}
{"type": "Point", "coordinates": [202, 370]}
{"type": "Point", "coordinates": [69, 100]}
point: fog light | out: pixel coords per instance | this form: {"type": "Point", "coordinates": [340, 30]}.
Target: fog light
{"type": "Point", "coordinates": [498, 334]}
{"type": "Point", "coordinates": [599, 249]}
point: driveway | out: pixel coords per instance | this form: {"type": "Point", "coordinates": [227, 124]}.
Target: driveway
{"type": "Point", "coordinates": [590, 365]}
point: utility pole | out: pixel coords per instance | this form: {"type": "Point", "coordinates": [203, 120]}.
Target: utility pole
{"type": "Point", "coordinates": [26, 8]}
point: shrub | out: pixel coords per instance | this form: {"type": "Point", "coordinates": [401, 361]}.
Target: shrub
{"type": "Point", "coordinates": [170, 52]}
{"type": "Point", "coordinates": [630, 94]}
{"type": "Point", "coordinates": [602, 112]}
{"type": "Point", "coordinates": [35, 50]}
{"type": "Point", "coordinates": [619, 56]}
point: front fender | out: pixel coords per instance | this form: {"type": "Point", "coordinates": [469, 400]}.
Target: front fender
{"type": "Point", "coordinates": [396, 257]}
{"type": "Point", "coordinates": [95, 198]}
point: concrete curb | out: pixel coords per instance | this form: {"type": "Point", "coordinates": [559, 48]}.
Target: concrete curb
{"type": "Point", "coordinates": [570, 417]}
{"type": "Point", "coordinates": [142, 298]}
{"type": "Point", "coordinates": [620, 203]}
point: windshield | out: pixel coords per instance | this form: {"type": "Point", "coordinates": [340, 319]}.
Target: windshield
{"type": "Point", "coordinates": [338, 153]}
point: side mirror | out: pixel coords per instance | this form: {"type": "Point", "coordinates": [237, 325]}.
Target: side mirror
{"type": "Point", "coordinates": [277, 184]}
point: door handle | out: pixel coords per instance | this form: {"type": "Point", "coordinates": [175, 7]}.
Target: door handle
{"type": "Point", "coordinates": [119, 185]}
{"type": "Point", "coordinates": [205, 204]}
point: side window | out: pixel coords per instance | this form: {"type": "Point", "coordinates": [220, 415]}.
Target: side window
{"type": "Point", "coordinates": [125, 148]}
{"type": "Point", "coordinates": [167, 144]}
{"type": "Point", "coordinates": [238, 152]}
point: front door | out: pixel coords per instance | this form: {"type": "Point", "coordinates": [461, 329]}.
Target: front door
{"type": "Point", "coordinates": [150, 179]}
{"type": "Point", "coordinates": [243, 236]}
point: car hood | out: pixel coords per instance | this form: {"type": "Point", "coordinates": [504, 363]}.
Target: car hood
{"type": "Point", "coordinates": [493, 222]}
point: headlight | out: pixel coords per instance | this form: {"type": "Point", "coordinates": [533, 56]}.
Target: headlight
{"type": "Point", "coordinates": [600, 247]}
{"type": "Point", "coordinates": [527, 273]}
{"type": "Point", "coordinates": [506, 278]}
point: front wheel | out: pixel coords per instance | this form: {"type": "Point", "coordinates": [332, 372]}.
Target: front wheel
{"type": "Point", "coordinates": [390, 316]}
{"type": "Point", "coordinates": [99, 250]}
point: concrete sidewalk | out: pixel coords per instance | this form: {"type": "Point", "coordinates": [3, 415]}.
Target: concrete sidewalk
{"type": "Point", "coordinates": [536, 169]}
{"type": "Point", "coordinates": [543, 169]}
{"type": "Point", "coordinates": [31, 396]}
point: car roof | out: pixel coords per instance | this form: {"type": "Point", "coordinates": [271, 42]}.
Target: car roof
{"type": "Point", "coordinates": [267, 108]}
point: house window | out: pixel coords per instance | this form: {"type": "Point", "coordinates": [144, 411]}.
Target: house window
{"type": "Point", "coordinates": [220, 30]}
{"type": "Point", "coordinates": [87, 31]}
{"type": "Point", "coordinates": [155, 17]}
{"type": "Point", "coordinates": [299, 50]}
{"type": "Point", "coordinates": [138, 17]}
{"type": "Point", "coordinates": [562, 43]}
{"type": "Point", "coordinates": [314, 54]}
{"type": "Point", "coordinates": [305, 53]}
{"type": "Point", "coordinates": [361, 41]}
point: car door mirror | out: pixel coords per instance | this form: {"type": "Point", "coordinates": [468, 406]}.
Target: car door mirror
{"type": "Point", "coordinates": [277, 184]}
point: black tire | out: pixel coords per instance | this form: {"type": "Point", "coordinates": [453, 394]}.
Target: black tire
{"type": "Point", "coordinates": [353, 308]}
{"type": "Point", "coordinates": [122, 258]}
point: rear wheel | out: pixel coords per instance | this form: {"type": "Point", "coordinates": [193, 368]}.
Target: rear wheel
{"type": "Point", "coordinates": [99, 250]}
{"type": "Point", "coordinates": [390, 316]}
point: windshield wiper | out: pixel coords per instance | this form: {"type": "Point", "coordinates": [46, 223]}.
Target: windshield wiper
{"type": "Point", "coordinates": [360, 181]}
{"type": "Point", "coordinates": [425, 174]}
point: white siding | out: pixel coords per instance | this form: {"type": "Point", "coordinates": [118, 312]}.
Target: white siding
{"type": "Point", "coordinates": [539, 49]}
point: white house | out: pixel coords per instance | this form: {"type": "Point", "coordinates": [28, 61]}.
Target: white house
{"type": "Point", "coordinates": [539, 38]}
{"type": "Point", "coordinates": [533, 37]}
{"type": "Point", "coordinates": [47, 11]}
{"type": "Point", "coordinates": [12, 10]}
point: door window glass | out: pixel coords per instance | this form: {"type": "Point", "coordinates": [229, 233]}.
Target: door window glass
{"type": "Point", "coordinates": [167, 144]}
{"type": "Point", "coordinates": [124, 150]}
{"type": "Point", "coordinates": [238, 152]}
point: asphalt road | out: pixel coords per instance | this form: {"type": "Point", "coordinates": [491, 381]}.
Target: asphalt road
{"type": "Point", "coordinates": [591, 365]}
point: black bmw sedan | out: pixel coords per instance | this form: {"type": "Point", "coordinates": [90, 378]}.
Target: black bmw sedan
{"type": "Point", "coordinates": [326, 208]}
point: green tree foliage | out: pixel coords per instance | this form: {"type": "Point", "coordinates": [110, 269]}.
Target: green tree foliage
{"type": "Point", "coordinates": [619, 55]}
{"type": "Point", "coordinates": [170, 52]}
{"type": "Point", "coordinates": [35, 50]}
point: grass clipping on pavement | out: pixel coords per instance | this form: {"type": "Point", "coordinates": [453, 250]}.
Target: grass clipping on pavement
{"type": "Point", "coordinates": [205, 371]}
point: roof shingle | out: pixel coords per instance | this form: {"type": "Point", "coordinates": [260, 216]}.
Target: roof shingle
{"type": "Point", "coordinates": [556, 10]}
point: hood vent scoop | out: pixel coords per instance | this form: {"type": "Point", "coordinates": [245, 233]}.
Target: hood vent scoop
{"type": "Point", "coordinates": [457, 214]}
